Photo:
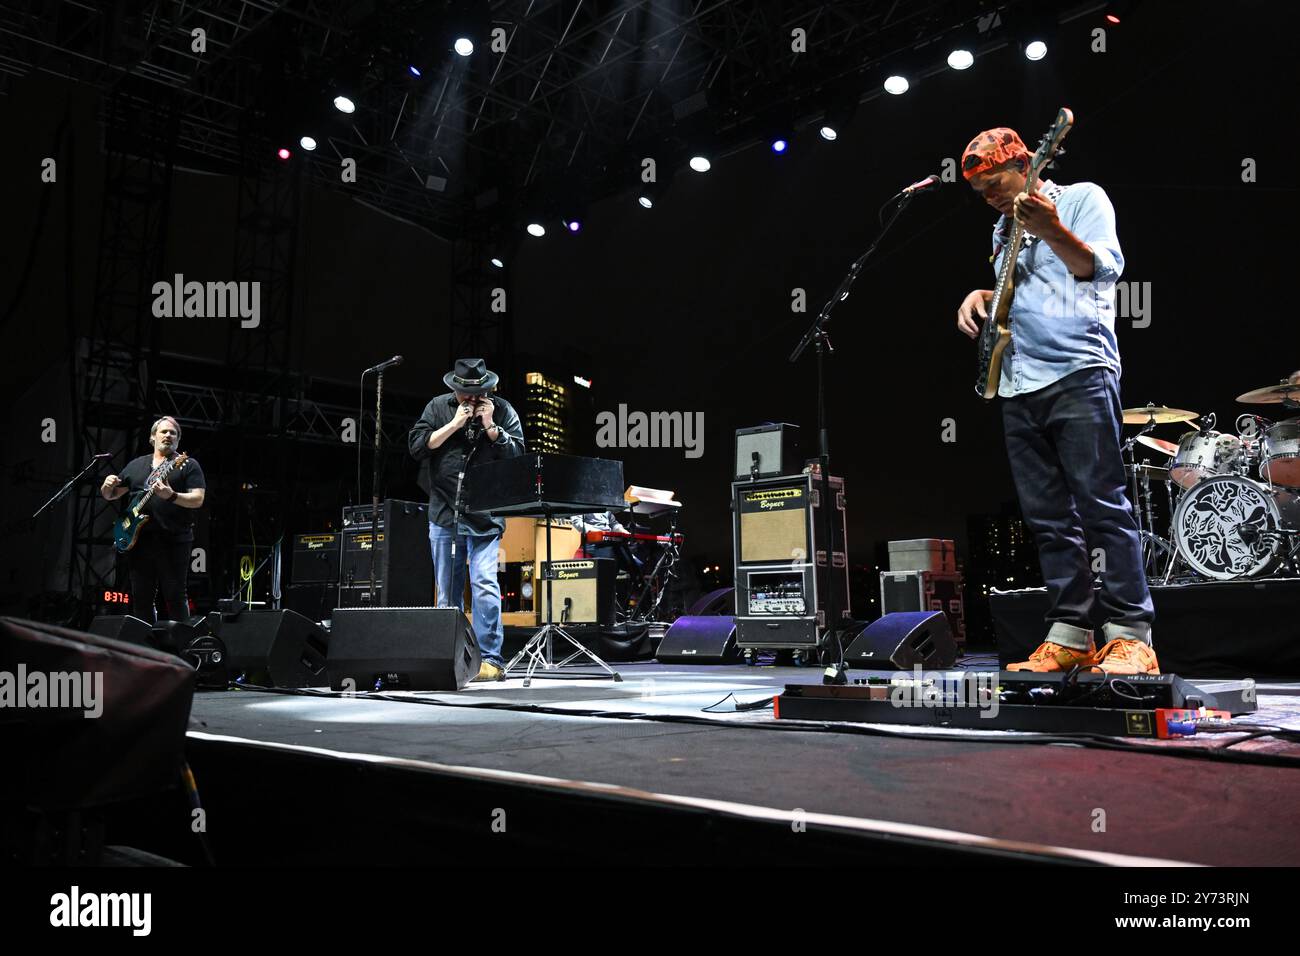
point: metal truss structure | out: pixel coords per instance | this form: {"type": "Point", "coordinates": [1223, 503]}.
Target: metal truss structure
{"type": "Point", "coordinates": [560, 98]}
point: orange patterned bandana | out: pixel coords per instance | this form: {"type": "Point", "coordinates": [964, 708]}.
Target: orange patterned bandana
{"type": "Point", "coordinates": [991, 148]}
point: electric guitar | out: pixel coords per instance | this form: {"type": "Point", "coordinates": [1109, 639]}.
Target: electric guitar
{"type": "Point", "coordinates": [127, 528]}
{"type": "Point", "coordinates": [995, 336]}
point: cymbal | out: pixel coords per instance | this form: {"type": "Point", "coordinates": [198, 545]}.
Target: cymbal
{"type": "Point", "coordinates": [1160, 414]}
{"type": "Point", "coordinates": [1159, 444]}
{"type": "Point", "coordinates": [1286, 390]}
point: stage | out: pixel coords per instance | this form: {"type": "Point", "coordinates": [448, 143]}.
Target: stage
{"type": "Point", "coordinates": [660, 768]}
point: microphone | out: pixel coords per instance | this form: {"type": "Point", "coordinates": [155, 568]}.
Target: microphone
{"type": "Point", "coordinates": [473, 427]}
{"type": "Point", "coordinates": [395, 360]}
{"type": "Point", "coordinates": [929, 182]}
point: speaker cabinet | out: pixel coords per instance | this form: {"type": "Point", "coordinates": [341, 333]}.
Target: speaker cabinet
{"type": "Point", "coordinates": [584, 591]}
{"type": "Point", "coordinates": [402, 559]}
{"type": "Point", "coordinates": [699, 639]}
{"type": "Point", "coordinates": [274, 648]}
{"type": "Point", "coordinates": [124, 627]}
{"type": "Point", "coordinates": [767, 450]}
{"type": "Point", "coordinates": [904, 640]}
{"type": "Point", "coordinates": [406, 648]}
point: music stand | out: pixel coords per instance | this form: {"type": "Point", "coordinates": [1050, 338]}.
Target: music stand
{"type": "Point", "coordinates": [518, 487]}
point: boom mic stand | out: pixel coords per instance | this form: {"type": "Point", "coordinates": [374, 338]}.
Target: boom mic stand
{"type": "Point", "coordinates": [72, 483]}
{"type": "Point", "coordinates": [816, 334]}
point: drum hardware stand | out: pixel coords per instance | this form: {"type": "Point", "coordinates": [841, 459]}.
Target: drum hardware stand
{"type": "Point", "coordinates": [540, 649]}
{"type": "Point", "coordinates": [1150, 542]}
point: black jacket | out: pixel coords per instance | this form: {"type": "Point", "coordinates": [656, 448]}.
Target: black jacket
{"type": "Point", "coordinates": [439, 467]}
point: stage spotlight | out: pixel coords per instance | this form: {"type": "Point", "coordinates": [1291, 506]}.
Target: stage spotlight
{"type": "Point", "coordinates": [464, 46]}
{"type": "Point", "coordinates": [829, 133]}
{"type": "Point", "coordinates": [307, 143]}
{"type": "Point", "coordinates": [897, 85]}
{"type": "Point", "coordinates": [779, 145]}
{"type": "Point", "coordinates": [344, 105]}
{"type": "Point", "coordinates": [573, 225]}
{"type": "Point", "coordinates": [415, 71]}
{"type": "Point", "coordinates": [283, 153]}
{"type": "Point", "coordinates": [1117, 13]}
{"type": "Point", "coordinates": [1035, 50]}
{"type": "Point", "coordinates": [961, 59]}
{"type": "Point", "coordinates": [497, 262]}
{"type": "Point", "coordinates": [645, 201]}
{"type": "Point", "coordinates": [536, 229]}
{"type": "Point", "coordinates": [700, 164]}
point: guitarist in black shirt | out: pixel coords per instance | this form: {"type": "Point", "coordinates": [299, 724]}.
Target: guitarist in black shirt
{"type": "Point", "coordinates": [161, 555]}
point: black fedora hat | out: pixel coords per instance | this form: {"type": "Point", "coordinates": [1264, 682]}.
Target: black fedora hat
{"type": "Point", "coordinates": [471, 376]}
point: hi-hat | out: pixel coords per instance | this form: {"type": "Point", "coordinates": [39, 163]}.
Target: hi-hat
{"type": "Point", "coordinates": [1288, 390]}
{"type": "Point", "coordinates": [1157, 414]}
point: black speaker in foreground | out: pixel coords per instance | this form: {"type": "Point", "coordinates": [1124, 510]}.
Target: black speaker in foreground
{"type": "Point", "coordinates": [274, 648]}
{"type": "Point", "coordinates": [903, 640]}
{"type": "Point", "coordinates": [699, 639]}
{"type": "Point", "coordinates": [401, 648]}
{"type": "Point", "coordinates": [124, 627]}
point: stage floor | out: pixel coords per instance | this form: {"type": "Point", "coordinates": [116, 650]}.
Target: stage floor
{"type": "Point", "coordinates": [665, 734]}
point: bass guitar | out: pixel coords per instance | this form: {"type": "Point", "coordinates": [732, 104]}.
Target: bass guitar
{"type": "Point", "coordinates": [127, 528]}
{"type": "Point", "coordinates": [995, 336]}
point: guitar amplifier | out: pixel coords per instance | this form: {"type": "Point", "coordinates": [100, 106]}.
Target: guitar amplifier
{"type": "Point", "coordinates": [584, 591]}
{"type": "Point", "coordinates": [766, 450]}
{"type": "Point", "coordinates": [783, 575]}
{"type": "Point", "coordinates": [315, 558]}
{"type": "Point", "coordinates": [403, 563]}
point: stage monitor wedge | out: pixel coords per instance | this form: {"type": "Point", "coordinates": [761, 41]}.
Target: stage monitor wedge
{"type": "Point", "coordinates": [401, 648]}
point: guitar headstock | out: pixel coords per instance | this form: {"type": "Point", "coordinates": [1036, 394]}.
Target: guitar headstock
{"type": "Point", "coordinates": [179, 462]}
{"type": "Point", "coordinates": [1050, 144]}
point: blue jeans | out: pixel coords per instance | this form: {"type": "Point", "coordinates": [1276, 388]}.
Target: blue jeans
{"type": "Point", "coordinates": [1064, 446]}
{"type": "Point", "coordinates": [477, 555]}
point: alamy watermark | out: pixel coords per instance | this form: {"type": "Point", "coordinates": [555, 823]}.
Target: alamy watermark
{"type": "Point", "coordinates": [1132, 299]}
{"type": "Point", "coordinates": [61, 690]}
{"type": "Point", "coordinates": [978, 689]}
{"type": "Point", "coordinates": [624, 429]}
{"type": "Point", "coordinates": [208, 300]}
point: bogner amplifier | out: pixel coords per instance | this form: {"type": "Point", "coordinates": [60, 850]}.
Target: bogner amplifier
{"type": "Point", "coordinates": [584, 591]}
{"type": "Point", "coordinates": [783, 577]}
{"type": "Point", "coordinates": [315, 558]}
{"type": "Point", "coordinates": [403, 563]}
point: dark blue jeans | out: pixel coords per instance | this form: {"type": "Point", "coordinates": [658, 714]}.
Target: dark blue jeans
{"type": "Point", "coordinates": [1064, 446]}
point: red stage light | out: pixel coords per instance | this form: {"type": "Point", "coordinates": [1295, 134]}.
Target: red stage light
{"type": "Point", "coordinates": [282, 153]}
{"type": "Point", "coordinates": [1112, 18]}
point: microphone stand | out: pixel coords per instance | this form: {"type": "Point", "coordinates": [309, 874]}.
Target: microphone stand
{"type": "Point", "coordinates": [836, 672]}
{"type": "Point", "coordinates": [374, 483]}
{"type": "Point", "coordinates": [63, 492]}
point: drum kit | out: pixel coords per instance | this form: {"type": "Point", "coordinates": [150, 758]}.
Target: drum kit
{"type": "Point", "coordinates": [1231, 502]}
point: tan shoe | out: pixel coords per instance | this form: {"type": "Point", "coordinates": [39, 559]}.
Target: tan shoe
{"type": "Point", "coordinates": [1122, 656]}
{"type": "Point", "coordinates": [489, 671]}
{"type": "Point", "coordinates": [1049, 657]}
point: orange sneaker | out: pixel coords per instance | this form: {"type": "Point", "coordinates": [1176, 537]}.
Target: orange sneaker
{"type": "Point", "coordinates": [1049, 656]}
{"type": "Point", "coordinates": [1122, 656]}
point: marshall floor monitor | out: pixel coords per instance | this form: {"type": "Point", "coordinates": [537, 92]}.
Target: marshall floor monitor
{"type": "Point", "coordinates": [401, 648]}
{"type": "Point", "coordinates": [903, 640]}
{"type": "Point", "coordinates": [584, 591]}
{"type": "Point", "coordinates": [274, 648]}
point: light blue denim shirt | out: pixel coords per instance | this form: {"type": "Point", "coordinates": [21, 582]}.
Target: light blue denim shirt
{"type": "Point", "coordinates": [1060, 324]}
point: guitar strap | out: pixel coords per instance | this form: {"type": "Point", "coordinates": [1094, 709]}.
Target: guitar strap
{"type": "Point", "coordinates": [1002, 231]}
